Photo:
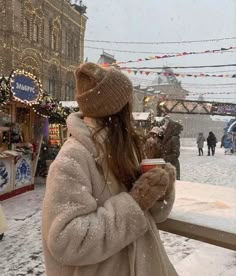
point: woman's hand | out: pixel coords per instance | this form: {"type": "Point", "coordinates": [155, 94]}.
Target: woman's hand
{"type": "Point", "coordinates": [152, 186]}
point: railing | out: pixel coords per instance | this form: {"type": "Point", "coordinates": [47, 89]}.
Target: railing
{"type": "Point", "coordinates": [205, 213]}
{"type": "Point", "coordinates": [200, 233]}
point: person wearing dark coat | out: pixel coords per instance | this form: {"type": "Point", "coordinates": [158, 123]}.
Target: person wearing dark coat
{"type": "Point", "coordinates": [211, 143]}
{"type": "Point", "coordinates": [171, 145]}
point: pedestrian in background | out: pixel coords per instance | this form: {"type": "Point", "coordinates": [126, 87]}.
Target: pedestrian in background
{"type": "Point", "coordinates": [200, 143]}
{"type": "Point", "coordinates": [99, 212]}
{"type": "Point", "coordinates": [211, 143]}
{"type": "Point", "coordinates": [171, 144]}
{"type": "Point", "coordinates": [227, 143]}
{"type": "Point", "coordinates": [153, 145]}
{"type": "Point", "coordinates": [3, 223]}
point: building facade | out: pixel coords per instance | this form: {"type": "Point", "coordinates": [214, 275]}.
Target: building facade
{"type": "Point", "coordinates": [106, 58]}
{"type": "Point", "coordinates": [146, 98]}
{"type": "Point", "coordinates": [44, 37]}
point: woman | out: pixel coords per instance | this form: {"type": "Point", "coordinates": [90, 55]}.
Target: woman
{"type": "Point", "coordinates": [200, 143]}
{"type": "Point", "coordinates": [154, 143]}
{"type": "Point", "coordinates": [99, 214]}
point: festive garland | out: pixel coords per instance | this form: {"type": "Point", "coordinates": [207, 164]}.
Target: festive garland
{"type": "Point", "coordinates": [142, 72]}
{"type": "Point", "coordinates": [221, 50]}
{"type": "Point", "coordinates": [50, 107]}
{"type": "Point", "coordinates": [45, 105]}
{"type": "Point", "coordinates": [5, 91]}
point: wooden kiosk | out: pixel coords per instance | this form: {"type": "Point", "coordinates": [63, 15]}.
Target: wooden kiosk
{"type": "Point", "coordinates": [21, 133]}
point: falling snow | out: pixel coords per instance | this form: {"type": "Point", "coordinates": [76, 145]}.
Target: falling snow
{"type": "Point", "coordinates": [21, 248]}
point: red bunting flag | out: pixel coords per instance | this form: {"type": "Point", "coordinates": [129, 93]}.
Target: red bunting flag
{"type": "Point", "coordinates": [221, 50]}
{"type": "Point", "coordinates": [182, 75]}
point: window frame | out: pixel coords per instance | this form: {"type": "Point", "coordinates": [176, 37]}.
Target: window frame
{"type": "Point", "coordinates": [26, 27]}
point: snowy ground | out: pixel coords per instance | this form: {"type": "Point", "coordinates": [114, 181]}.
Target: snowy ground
{"type": "Point", "coordinates": [21, 249]}
{"type": "Point", "coordinates": [216, 170]}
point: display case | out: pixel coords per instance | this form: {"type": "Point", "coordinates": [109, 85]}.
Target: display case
{"type": "Point", "coordinates": [5, 123]}
{"type": "Point", "coordinates": [21, 131]}
{"type": "Point", "coordinates": [55, 135]}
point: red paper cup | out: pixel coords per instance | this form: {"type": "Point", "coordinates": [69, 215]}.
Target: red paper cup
{"type": "Point", "coordinates": [148, 164]}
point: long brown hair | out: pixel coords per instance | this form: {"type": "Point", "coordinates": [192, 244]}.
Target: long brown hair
{"type": "Point", "coordinates": [123, 146]}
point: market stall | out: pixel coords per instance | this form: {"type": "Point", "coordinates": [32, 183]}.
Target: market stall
{"type": "Point", "coordinates": [142, 122]}
{"type": "Point", "coordinates": [57, 133]}
{"type": "Point", "coordinates": [69, 107]}
{"type": "Point", "coordinates": [29, 118]}
{"type": "Point", "coordinates": [21, 131]}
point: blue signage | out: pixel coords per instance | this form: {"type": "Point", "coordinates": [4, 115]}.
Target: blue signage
{"type": "Point", "coordinates": [226, 109]}
{"type": "Point", "coordinates": [24, 88]}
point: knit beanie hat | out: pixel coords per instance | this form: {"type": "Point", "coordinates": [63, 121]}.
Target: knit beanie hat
{"type": "Point", "coordinates": [156, 130]}
{"type": "Point", "coordinates": [101, 91]}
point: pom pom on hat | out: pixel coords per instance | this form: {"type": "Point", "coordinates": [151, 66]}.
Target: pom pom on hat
{"type": "Point", "coordinates": [101, 91]}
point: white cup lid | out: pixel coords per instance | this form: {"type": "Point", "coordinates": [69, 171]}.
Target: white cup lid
{"type": "Point", "coordinates": [156, 161]}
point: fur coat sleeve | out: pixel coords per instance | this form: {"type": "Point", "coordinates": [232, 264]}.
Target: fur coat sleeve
{"type": "Point", "coordinates": [76, 230]}
{"type": "Point", "coordinates": [3, 222]}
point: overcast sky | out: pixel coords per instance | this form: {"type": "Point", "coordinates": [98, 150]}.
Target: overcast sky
{"type": "Point", "coordinates": [166, 20]}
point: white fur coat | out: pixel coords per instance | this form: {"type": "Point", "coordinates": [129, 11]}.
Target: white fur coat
{"type": "Point", "coordinates": [3, 222]}
{"type": "Point", "coordinates": [92, 226]}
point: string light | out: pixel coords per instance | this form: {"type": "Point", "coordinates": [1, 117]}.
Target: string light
{"type": "Point", "coordinates": [32, 58]}
{"type": "Point", "coordinates": [45, 105]}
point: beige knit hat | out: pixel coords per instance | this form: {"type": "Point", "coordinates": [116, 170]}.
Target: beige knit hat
{"type": "Point", "coordinates": [156, 130]}
{"type": "Point", "coordinates": [101, 91]}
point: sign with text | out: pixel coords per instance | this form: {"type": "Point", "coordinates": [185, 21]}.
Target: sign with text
{"type": "Point", "coordinates": [229, 109]}
{"type": "Point", "coordinates": [24, 87]}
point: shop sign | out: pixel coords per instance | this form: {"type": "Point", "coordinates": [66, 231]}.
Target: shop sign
{"type": "Point", "coordinates": [25, 88]}
{"type": "Point", "coordinates": [225, 109]}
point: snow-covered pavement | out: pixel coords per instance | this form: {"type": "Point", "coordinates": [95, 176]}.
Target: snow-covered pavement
{"type": "Point", "coordinates": [21, 249]}
{"type": "Point", "coordinates": [217, 170]}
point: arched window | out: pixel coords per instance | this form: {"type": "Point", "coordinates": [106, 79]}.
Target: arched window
{"type": "Point", "coordinates": [69, 48]}
{"type": "Point", "coordinates": [52, 87]}
{"type": "Point", "coordinates": [54, 41]}
{"type": "Point", "coordinates": [55, 33]}
{"type": "Point", "coordinates": [69, 91]}
{"type": "Point", "coordinates": [75, 52]}
{"type": "Point", "coordinates": [36, 33]}
{"type": "Point", "coordinates": [27, 28]}
{"type": "Point", "coordinates": [53, 81]}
